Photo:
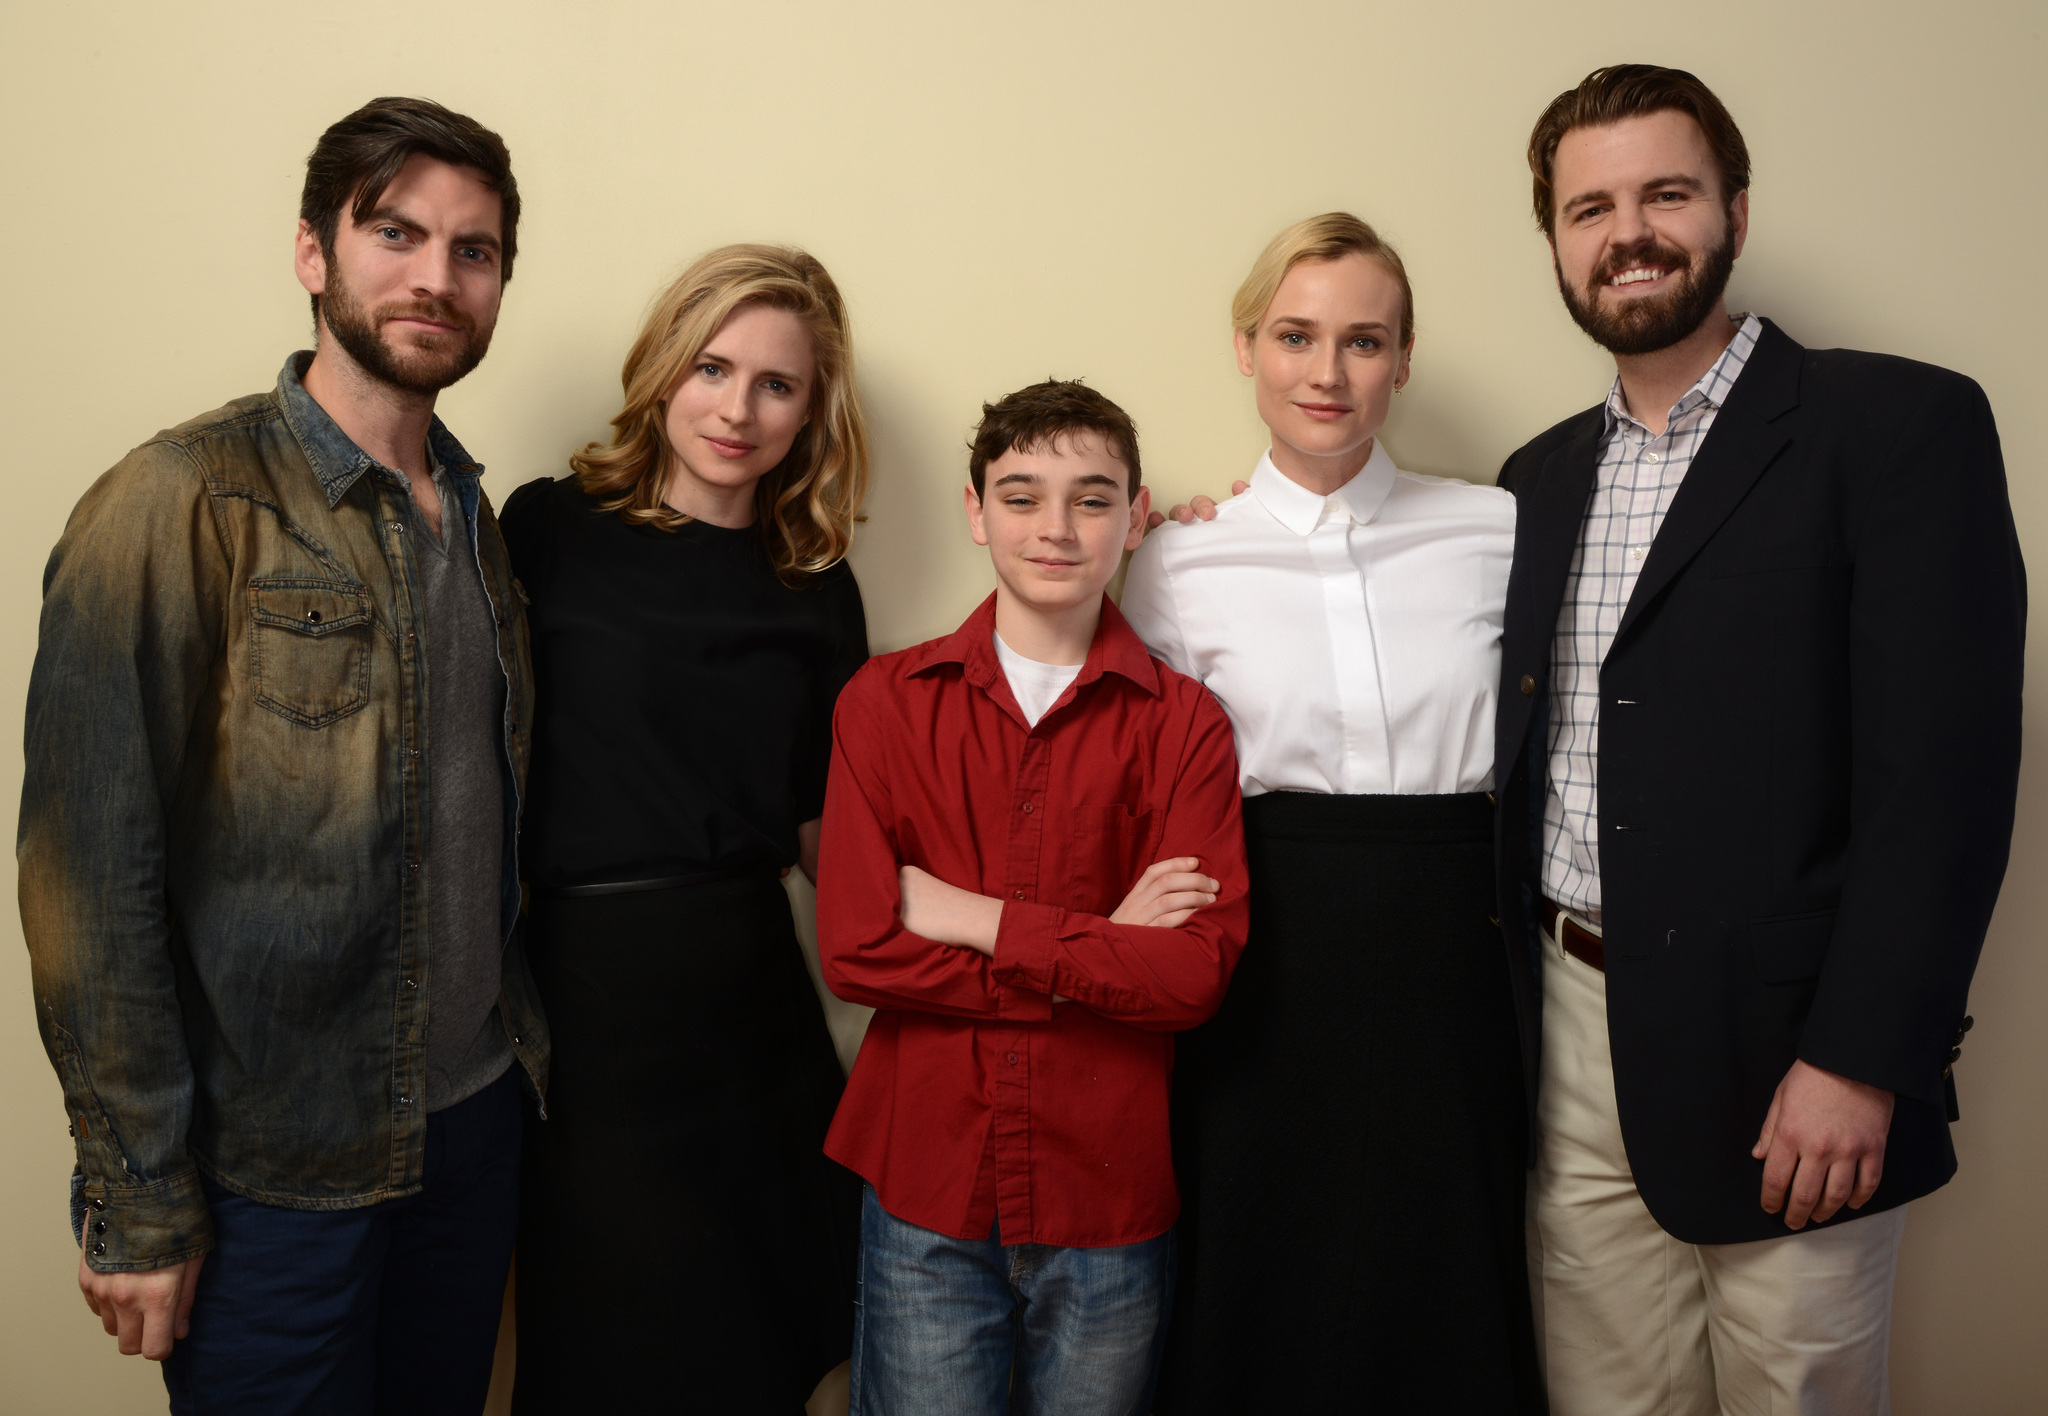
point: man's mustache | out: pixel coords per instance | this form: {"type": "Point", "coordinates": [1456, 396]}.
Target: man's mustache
{"type": "Point", "coordinates": [435, 310]}
{"type": "Point", "coordinates": [1645, 252]}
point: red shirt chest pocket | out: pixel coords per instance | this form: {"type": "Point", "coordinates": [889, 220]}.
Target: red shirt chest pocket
{"type": "Point", "coordinates": [1107, 848]}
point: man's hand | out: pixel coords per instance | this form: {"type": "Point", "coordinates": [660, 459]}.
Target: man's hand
{"type": "Point", "coordinates": [1824, 1138]}
{"type": "Point", "coordinates": [1170, 891]}
{"type": "Point", "coordinates": [946, 913]}
{"type": "Point", "coordinates": [1197, 507]}
{"type": "Point", "coordinates": [149, 1312]}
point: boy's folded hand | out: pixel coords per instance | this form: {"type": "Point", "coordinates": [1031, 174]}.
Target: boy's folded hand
{"type": "Point", "coordinates": [1167, 894]}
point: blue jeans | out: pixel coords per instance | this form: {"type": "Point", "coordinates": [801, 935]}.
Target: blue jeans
{"type": "Point", "coordinates": [390, 1308]}
{"type": "Point", "coordinates": [962, 1327]}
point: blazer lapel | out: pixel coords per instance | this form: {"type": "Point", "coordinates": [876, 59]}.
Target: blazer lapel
{"type": "Point", "coordinates": [1744, 440]}
{"type": "Point", "coordinates": [1547, 528]}
{"type": "Point", "coordinates": [1549, 509]}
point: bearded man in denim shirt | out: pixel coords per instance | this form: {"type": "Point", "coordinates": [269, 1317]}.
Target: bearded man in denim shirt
{"type": "Point", "coordinates": [276, 740]}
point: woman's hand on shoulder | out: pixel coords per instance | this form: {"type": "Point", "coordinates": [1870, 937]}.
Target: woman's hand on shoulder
{"type": "Point", "coordinates": [1195, 508]}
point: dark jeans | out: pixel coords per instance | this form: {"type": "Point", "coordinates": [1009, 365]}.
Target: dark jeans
{"type": "Point", "coordinates": [960, 1327]}
{"type": "Point", "coordinates": [387, 1309]}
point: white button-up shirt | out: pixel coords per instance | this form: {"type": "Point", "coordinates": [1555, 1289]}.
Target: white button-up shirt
{"type": "Point", "coordinates": [1634, 484]}
{"type": "Point", "coordinates": [1354, 638]}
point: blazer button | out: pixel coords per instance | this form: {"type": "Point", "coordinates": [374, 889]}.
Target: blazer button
{"type": "Point", "coordinates": [1019, 895]}
{"type": "Point", "coordinates": [1528, 685]}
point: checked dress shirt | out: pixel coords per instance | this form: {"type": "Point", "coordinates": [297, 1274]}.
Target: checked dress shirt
{"type": "Point", "coordinates": [1637, 477]}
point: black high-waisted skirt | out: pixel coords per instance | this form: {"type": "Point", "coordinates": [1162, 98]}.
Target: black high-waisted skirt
{"type": "Point", "coordinates": [684, 1245]}
{"type": "Point", "coordinates": [1349, 1129]}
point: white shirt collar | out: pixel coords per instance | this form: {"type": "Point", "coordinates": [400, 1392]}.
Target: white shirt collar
{"type": "Point", "coordinates": [1301, 510]}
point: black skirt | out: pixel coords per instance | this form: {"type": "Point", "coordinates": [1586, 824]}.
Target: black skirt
{"type": "Point", "coordinates": [1349, 1129]}
{"type": "Point", "coordinates": [684, 1244]}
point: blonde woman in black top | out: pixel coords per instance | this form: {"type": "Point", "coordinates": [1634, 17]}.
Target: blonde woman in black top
{"type": "Point", "coordinates": [693, 620]}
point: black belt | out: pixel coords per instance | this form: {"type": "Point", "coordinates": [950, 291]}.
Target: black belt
{"type": "Point", "coordinates": [634, 887]}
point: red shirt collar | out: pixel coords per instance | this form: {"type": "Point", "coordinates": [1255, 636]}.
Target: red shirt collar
{"type": "Point", "coordinates": [1116, 649]}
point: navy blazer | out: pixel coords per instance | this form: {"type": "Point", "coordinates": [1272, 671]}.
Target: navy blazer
{"type": "Point", "coordinates": [1809, 749]}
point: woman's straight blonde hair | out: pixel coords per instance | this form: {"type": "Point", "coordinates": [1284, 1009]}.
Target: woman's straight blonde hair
{"type": "Point", "coordinates": [1329, 237]}
{"type": "Point", "coordinates": [808, 504]}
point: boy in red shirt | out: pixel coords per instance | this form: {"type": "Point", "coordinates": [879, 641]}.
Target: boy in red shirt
{"type": "Point", "coordinates": [1033, 868]}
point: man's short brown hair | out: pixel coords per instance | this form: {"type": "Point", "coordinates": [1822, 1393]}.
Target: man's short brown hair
{"type": "Point", "coordinates": [361, 155]}
{"type": "Point", "coordinates": [1037, 417]}
{"type": "Point", "coordinates": [1622, 91]}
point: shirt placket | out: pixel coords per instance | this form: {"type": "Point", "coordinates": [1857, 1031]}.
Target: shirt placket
{"type": "Point", "coordinates": [1011, 1064]}
{"type": "Point", "coordinates": [1354, 655]}
{"type": "Point", "coordinates": [414, 962]}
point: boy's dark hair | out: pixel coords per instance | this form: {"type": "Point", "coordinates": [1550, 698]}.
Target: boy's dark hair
{"type": "Point", "coordinates": [1632, 91]}
{"type": "Point", "coordinates": [1038, 416]}
{"type": "Point", "coordinates": [361, 155]}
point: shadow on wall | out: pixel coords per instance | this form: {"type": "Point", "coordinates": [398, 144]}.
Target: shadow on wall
{"type": "Point", "coordinates": [915, 537]}
{"type": "Point", "coordinates": [1431, 430]}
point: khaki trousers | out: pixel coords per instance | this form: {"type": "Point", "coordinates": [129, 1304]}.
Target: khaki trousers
{"type": "Point", "coordinates": [1632, 1322]}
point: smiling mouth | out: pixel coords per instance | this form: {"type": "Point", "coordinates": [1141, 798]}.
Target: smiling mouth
{"type": "Point", "coordinates": [1636, 275]}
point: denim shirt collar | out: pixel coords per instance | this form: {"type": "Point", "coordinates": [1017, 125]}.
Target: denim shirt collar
{"type": "Point", "coordinates": [337, 461]}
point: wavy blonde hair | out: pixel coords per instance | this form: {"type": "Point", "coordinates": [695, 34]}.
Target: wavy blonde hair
{"type": "Point", "coordinates": [1329, 237]}
{"type": "Point", "coordinates": [808, 504]}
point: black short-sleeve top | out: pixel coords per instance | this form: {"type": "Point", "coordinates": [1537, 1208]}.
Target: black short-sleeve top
{"type": "Point", "coordinates": [684, 693]}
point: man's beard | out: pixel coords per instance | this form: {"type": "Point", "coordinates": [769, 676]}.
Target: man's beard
{"type": "Point", "coordinates": [1647, 325]}
{"type": "Point", "coordinates": [428, 366]}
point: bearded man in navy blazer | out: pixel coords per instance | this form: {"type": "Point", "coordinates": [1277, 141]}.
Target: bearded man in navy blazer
{"type": "Point", "coordinates": [1759, 736]}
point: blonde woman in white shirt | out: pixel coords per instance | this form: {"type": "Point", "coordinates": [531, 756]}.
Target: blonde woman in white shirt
{"type": "Point", "coordinates": [1350, 1128]}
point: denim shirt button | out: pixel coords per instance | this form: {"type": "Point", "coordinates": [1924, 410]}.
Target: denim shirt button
{"type": "Point", "coordinates": [98, 1205]}
{"type": "Point", "coordinates": [99, 1251]}
{"type": "Point", "coordinates": [405, 1101]}
{"type": "Point", "coordinates": [99, 1226]}
{"type": "Point", "coordinates": [412, 983]}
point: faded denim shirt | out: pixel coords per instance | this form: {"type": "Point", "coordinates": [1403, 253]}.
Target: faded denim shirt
{"type": "Point", "coordinates": [224, 818]}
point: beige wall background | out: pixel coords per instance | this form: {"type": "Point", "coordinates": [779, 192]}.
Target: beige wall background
{"type": "Point", "coordinates": [1007, 191]}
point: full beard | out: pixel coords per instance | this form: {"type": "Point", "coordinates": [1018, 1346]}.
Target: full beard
{"type": "Point", "coordinates": [428, 365]}
{"type": "Point", "coordinates": [1647, 325]}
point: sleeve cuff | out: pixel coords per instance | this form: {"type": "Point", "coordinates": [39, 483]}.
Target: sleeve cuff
{"type": "Point", "coordinates": [1026, 941]}
{"type": "Point", "coordinates": [131, 1228]}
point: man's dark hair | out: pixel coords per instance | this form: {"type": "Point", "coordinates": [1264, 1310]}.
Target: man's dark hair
{"type": "Point", "coordinates": [1631, 91]}
{"type": "Point", "coordinates": [360, 156]}
{"type": "Point", "coordinates": [1039, 416]}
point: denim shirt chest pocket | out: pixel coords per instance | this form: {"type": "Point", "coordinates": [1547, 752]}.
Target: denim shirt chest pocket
{"type": "Point", "coordinates": [309, 647]}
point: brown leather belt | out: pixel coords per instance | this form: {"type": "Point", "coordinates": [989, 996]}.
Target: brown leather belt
{"type": "Point", "coordinates": [1578, 941]}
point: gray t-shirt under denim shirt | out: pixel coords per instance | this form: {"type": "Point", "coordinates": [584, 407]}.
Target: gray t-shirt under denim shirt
{"type": "Point", "coordinates": [467, 1046]}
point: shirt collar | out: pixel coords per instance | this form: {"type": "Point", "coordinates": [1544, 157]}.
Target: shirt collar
{"type": "Point", "coordinates": [1301, 510]}
{"type": "Point", "coordinates": [336, 460]}
{"type": "Point", "coordinates": [1712, 389]}
{"type": "Point", "coordinates": [1116, 649]}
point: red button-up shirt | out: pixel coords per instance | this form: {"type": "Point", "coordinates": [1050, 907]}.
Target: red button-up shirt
{"type": "Point", "coordinates": [976, 1099]}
